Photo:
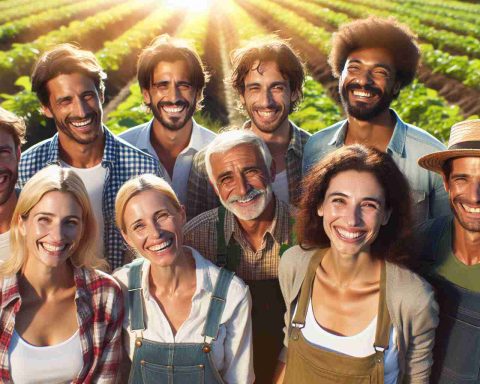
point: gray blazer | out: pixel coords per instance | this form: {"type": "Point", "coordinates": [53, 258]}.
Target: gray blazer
{"type": "Point", "coordinates": [410, 302]}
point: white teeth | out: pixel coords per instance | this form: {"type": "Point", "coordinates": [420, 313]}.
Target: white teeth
{"type": "Point", "coordinates": [81, 123]}
{"type": "Point", "coordinates": [53, 248]}
{"type": "Point", "coordinates": [362, 93]}
{"type": "Point", "coordinates": [470, 209]}
{"type": "Point", "coordinates": [173, 109]}
{"type": "Point", "coordinates": [348, 234]}
{"type": "Point", "coordinates": [266, 113]}
{"type": "Point", "coordinates": [161, 246]}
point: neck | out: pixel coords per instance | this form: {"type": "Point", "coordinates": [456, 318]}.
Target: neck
{"type": "Point", "coordinates": [168, 144]}
{"type": "Point", "coordinates": [254, 230]}
{"type": "Point", "coordinates": [346, 270]}
{"type": "Point", "coordinates": [44, 281]}
{"type": "Point", "coordinates": [465, 244]}
{"type": "Point", "coordinates": [375, 132]}
{"type": "Point", "coordinates": [82, 155]}
{"type": "Point", "coordinates": [171, 278]}
{"type": "Point", "coordinates": [6, 212]}
{"type": "Point", "coordinates": [279, 137]}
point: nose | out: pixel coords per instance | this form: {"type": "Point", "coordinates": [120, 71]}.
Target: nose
{"type": "Point", "coordinates": [475, 192]}
{"type": "Point", "coordinates": [155, 231]}
{"type": "Point", "coordinates": [81, 108]}
{"type": "Point", "coordinates": [173, 93]}
{"type": "Point", "coordinates": [243, 186]}
{"type": "Point", "coordinates": [266, 98]}
{"type": "Point", "coordinates": [364, 77]}
{"type": "Point", "coordinates": [353, 215]}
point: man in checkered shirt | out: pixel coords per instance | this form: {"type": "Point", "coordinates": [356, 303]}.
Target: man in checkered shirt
{"type": "Point", "coordinates": [69, 84]}
{"type": "Point", "coordinates": [268, 77]}
{"type": "Point", "coordinates": [247, 234]}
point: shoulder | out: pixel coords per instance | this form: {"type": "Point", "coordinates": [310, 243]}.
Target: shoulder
{"type": "Point", "coordinates": [131, 134]}
{"type": "Point", "coordinates": [36, 152]}
{"type": "Point", "coordinates": [206, 218]}
{"type": "Point", "coordinates": [98, 280]}
{"type": "Point", "coordinates": [428, 142]}
{"type": "Point", "coordinates": [206, 134]}
{"type": "Point", "coordinates": [326, 133]}
{"type": "Point", "coordinates": [131, 155]}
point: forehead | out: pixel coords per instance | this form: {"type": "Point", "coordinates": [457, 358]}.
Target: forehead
{"type": "Point", "coordinates": [6, 138]}
{"type": "Point", "coordinates": [240, 156]}
{"type": "Point", "coordinates": [372, 56]}
{"type": "Point", "coordinates": [71, 83]}
{"type": "Point", "coordinates": [145, 202]}
{"type": "Point", "coordinates": [178, 69]}
{"type": "Point", "coordinates": [356, 184]}
{"type": "Point", "coordinates": [59, 204]}
{"type": "Point", "coordinates": [466, 165]}
{"type": "Point", "coordinates": [265, 71]}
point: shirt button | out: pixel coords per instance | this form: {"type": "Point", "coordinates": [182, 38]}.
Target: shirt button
{"type": "Point", "coordinates": [206, 348]}
{"type": "Point", "coordinates": [138, 343]}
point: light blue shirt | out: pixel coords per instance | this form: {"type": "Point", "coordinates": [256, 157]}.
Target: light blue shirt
{"type": "Point", "coordinates": [139, 137]}
{"type": "Point", "coordinates": [407, 145]}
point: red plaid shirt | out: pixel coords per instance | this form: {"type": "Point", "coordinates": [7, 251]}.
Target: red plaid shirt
{"type": "Point", "coordinates": [100, 312]}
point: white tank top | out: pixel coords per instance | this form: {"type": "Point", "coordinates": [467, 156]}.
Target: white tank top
{"type": "Point", "coordinates": [359, 345]}
{"type": "Point", "coordinates": [54, 364]}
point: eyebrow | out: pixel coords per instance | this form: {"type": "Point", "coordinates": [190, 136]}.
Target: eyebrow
{"type": "Point", "coordinates": [453, 175]}
{"type": "Point", "coordinates": [369, 198]}
{"type": "Point", "coordinates": [53, 215]}
{"type": "Point", "coordinates": [385, 66]}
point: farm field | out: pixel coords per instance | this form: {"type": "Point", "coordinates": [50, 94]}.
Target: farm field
{"type": "Point", "coordinates": [446, 91]}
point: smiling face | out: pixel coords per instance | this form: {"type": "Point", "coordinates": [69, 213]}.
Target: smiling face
{"type": "Point", "coordinates": [52, 229]}
{"type": "Point", "coordinates": [172, 97]}
{"type": "Point", "coordinates": [367, 83]}
{"type": "Point", "coordinates": [9, 157]}
{"type": "Point", "coordinates": [353, 211]}
{"type": "Point", "coordinates": [242, 181]}
{"type": "Point", "coordinates": [267, 97]}
{"type": "Point", "coordinates": [463, 187]}
{"type": "Point", "coordinates": [76, 107]}
{"type": "Point", "coordinates": [153, 227]}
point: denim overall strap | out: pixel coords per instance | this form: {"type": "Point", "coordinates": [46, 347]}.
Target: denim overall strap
{"type": "Point", "coordinates": [217, 305]}
{"type": "Point", "coordinates": [135, 297]}
{"type": "Point", "coordinates": [228, 255]}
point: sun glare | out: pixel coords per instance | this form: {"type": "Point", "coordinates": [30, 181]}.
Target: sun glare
{"type": "Point", "coordinates": [190, 5]}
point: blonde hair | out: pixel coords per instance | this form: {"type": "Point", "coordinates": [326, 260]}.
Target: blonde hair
{"type": "Point", "coordinates": [137, 185]}
{"type": "Point", "coordinates": [49, 179]}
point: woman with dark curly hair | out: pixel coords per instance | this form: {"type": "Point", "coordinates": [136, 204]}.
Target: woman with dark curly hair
{"type": "Point", "coordinates": [355, 312]}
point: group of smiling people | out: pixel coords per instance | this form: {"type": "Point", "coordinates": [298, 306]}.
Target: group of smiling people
{"type": "Point", "coordinates": [198, 303]}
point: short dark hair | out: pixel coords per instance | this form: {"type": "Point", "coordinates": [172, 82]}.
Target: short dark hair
{"type": "Point", "coordinates": [13, 125]}
{"type": "Point", "coordinates": [269, 48]}
{"type": "Point", "coordinates": [377, 32]}
{"type": "Point", "coordinates": [393, 238]}
{"type": "Point", "coordinates": [169, 49]}
{"type": "Point", "coordinates": [65, 59]}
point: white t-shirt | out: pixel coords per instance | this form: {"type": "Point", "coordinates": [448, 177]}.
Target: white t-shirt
{"type": "Point", "coordinates": [94, 180]}
{"type": "Point", "coordinates": [55, 364]}
{"type": "Point", "coordinates": [4, 246]}
{"type": "Point", "coordinates": [359, 345]}
{"type": "Point", "coordinates": [280, 186]}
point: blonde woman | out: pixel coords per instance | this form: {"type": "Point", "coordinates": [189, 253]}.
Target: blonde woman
{"type": "Point", "coordinates": [60, 319]}
{"type": "Point", "coordinates": [188, 321]}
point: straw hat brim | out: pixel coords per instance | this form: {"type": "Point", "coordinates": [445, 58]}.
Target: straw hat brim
{"type": "Point", "coordinates": [434, 161]}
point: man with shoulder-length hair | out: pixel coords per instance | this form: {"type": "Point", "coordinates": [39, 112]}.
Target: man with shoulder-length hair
{"type": "Point", "coordinates": [68, 82]}
{"type": "Point", "coordinates": [172, 78]}
{"type": "Point", "coordinates": [247, 234]}
{"type": "Point", "coordinates": [12, 136]}
{"type": "Point", "coordinates": [374, 59]}
{"type": "Point", "coordinates": [450, 248]}
{"type": "Point", "coordinates": [268, 77]}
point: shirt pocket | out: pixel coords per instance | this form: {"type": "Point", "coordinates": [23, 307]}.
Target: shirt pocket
{"type": "Point", "coordinates": [420, 209]}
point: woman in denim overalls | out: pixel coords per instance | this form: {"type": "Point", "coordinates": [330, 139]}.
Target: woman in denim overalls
{"type": "Point", "coordinates": [188, 321]}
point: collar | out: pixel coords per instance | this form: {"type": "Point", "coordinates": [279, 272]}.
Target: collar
{"type": "Point", "coordinates": [231, 224]}
{"type": "Point", "coordinates": [109, 151]}
{"type": "Point", "coordinates": [295, 143]}
{"type": "Point", "coordinates": [396, 144]}
{"type": "Point", "coordinates": [144, 143]}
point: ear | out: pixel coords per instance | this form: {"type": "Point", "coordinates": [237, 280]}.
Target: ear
{"type": "Point", "coordinates": [445, 183]}
{"type": "Point", "coordinates": [46, 111]}
{"type": "Point", "coordinates": [127, 240]}
{"type": "Point", "coordinates": [386, 216]}
{"type": "Point", "coordinates": [22, 227]}
{"type": "Point", "coordinates": [242, 99]}
{"type": "Point", "coordinates": [146, 96]}
{"type": "Point", "coordinates": [273, 171]}
{"type": "Point", "coordinates": [320, 210]}
{"type": "Point", "coordinates": [294, 96]}
{"type": "Point", "coordinates": [396, 87]}
{"type": "Point", "coordinates": [183, 215]}
{"type": "Point", "coordinates": [19, 152]}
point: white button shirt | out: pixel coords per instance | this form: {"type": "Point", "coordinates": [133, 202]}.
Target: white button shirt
{"type": "Point", "coordinates": [200, 138]}
{"type": "Point", "coordinates": [232, 351]}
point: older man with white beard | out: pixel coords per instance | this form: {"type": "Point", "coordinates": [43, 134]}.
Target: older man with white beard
{"type": "Point", "coordinates": [247, 234]}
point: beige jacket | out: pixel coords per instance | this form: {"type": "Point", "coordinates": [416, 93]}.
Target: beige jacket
{"type": "Point", "coordinates": [410, 302]}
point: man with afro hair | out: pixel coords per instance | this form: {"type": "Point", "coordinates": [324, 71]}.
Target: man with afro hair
{"type": "Point", "coordinates": [374, 59]}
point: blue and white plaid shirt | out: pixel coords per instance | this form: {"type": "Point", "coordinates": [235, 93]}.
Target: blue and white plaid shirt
{"type": "Point", "coordinates": [122, 161]}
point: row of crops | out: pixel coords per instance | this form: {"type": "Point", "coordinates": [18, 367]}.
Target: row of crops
{"type": "Point", "coordinates": [446, 91]}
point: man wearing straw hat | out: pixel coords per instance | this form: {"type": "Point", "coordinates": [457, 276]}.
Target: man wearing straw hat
{"type": "Point", "coordinates": [450, 250]}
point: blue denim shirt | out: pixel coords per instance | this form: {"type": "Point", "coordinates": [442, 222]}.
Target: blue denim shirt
{"type": "Point", "coordinates": [407, 145]}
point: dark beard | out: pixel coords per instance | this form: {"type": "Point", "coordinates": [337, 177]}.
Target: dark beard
{"type": "Point", "coordinates": [470, 227]}
{"type": "Point", "coordinates": [173, 125]}
{"type": "Point", "coordinates": [365, 113]}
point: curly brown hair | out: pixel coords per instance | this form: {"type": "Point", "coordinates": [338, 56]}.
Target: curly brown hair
{"type": "Point", "coordinates": [393, 240]}
{"type": "Point", "coordinates": [268, 48]}
{"type": "Point", "coordinates": [377, 32]}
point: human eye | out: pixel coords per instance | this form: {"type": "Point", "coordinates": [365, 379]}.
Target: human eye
{"type": "Point", "coordinates": [381, 73]}
{"type": "Point", "coordinates": [72, 222]}
{"type": "Point", "coordinates": [44, 219]}
{"type": "Point", "coordinates": [338, 200]}
{"type": "Point", "coordinates": [225, 181]}
{"type": "Point", "coordinates": [353, 68]}
{"type": "Point", "coordinates": [162, 216]}
{"type": "Point", "coordinates": [370, 205]}
{"type": "Point", "coordinates": [138, 226]}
